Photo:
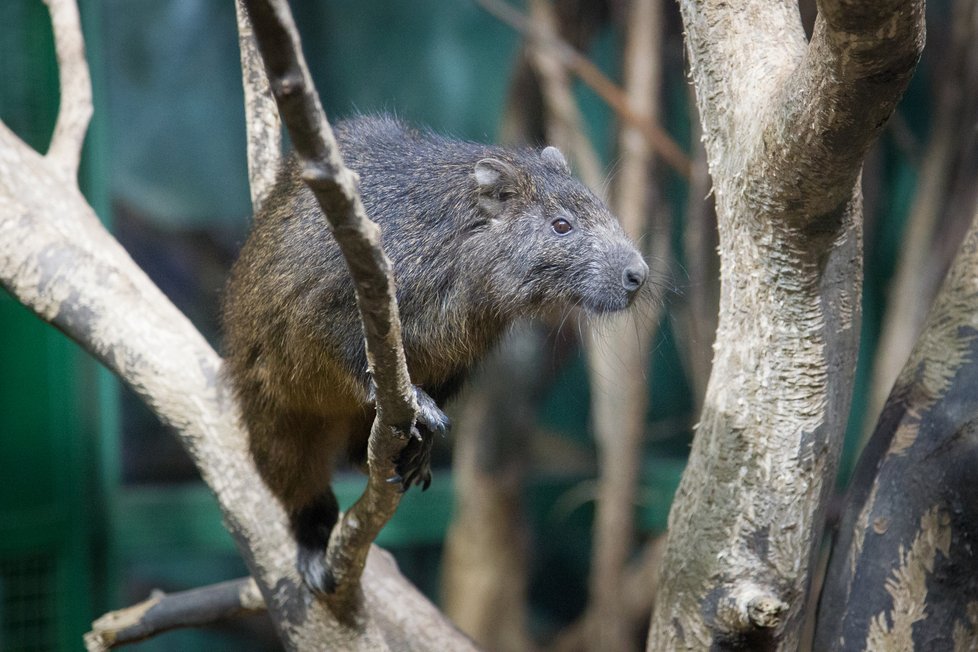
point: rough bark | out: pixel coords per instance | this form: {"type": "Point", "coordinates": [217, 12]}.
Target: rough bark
{"type": "Point", "coordinates": [903, 573]}
{"type": "Point", "coordinates": [786, 125]}
{"type": "Point", "coordinates": [57, 259]}
{"type": "Point", "coordinates": [697, 315]}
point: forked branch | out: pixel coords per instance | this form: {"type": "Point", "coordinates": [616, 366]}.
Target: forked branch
{"type": "Point", "coordinates": [335, 187]}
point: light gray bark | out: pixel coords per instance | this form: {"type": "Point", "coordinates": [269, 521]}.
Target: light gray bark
{"type": "Point", "coordinates": [786, 125]}
{"type": "Point", "coordinates": [264, 128]}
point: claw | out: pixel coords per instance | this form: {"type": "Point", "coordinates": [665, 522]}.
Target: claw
{"type": "Point", "coordinates": [394, 479]}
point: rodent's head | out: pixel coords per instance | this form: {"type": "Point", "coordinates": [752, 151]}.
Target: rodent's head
{"type": "Point", "coordinates": [557, 244]}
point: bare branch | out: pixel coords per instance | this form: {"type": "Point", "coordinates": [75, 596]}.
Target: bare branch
{"type": "Point", "coordinates": [162, 612]}
{"type": "Point", "coordinates": [591, 75]}
{"type": "Point", "coordinates": [58, 260]}
{"type": "Point", "coordinates": [261, 115]}
{"type": "Point", "coordinates": [335, 187]}
{"type": "Point", "coordinates": [75, 110]}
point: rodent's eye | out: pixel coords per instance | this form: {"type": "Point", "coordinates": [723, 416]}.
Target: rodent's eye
{"type": "Point", "coordinates": [561, 226]}
{"type": "Point", "coordinates": [505, 194]}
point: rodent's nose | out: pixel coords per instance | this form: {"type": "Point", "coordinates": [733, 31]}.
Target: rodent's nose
{"type": "Point", "coordinates": [634, 275]}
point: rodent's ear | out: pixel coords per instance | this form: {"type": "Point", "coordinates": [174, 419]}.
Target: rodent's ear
{"type": "Point", "coordinates": [496, 179]}
{"type": "Point", "coordinates": [555, 159]}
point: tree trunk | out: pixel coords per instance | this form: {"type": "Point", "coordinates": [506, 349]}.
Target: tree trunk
{"type": "Point", "coordinates": [786, 126]}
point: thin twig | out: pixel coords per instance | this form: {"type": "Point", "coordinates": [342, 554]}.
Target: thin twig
{"type": "Point", "coordinates": [335, 187]}
{"type": "Point", "coordinates": [596, 80]}
{"type": "Point", "coordinates": [162, 612]}
{"type": "Point", "coordinates": [75, 110]}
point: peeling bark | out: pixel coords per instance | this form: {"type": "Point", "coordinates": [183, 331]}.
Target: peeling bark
{"type": "Point", "coordinates": [903, 573]}
{"type": "Point", "coordinates": [786, 125]}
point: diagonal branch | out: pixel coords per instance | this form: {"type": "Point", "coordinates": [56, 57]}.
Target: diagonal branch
{"type": "Point", "coordinates": [75, 111]}
{"type": "Point", "coordinates": [564, 122]}
{"type": "Point", "coordinates": [925, 441]}
{"type": "Point", "coordinates": [335, 187]}
{"type": "Point", "coordinates": [833, 106]}
{"type": "Point", "coordinates": [542, 36]}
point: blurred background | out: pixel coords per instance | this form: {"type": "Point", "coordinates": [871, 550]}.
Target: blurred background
{"type": "Point", "coordinates": [99, 505]}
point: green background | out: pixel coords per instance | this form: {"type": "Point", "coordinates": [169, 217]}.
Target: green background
{"type": "Point", "coordinates": [98, 504]}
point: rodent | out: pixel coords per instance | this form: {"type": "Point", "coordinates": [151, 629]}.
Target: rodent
{"type": "Point", "coordinates": [478, 236]}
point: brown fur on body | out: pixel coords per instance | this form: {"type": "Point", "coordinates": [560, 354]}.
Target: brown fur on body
{"type": "Point", "coordinates": [473, 234]}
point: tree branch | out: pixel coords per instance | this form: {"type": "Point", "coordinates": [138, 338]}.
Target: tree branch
{"type": "Point", "coordinates": [922, 262]}
{"type": "Point", "coordinates": [834, 104]}
{"type": "Point", "coordinates": [58, 260]}
{"type": "Point", "coordinates": [618, 350]}
{"type": "Point", "coordinates": [162, 612]}
{"type": "Point", "coordinates": [889, 537]}
{"type": "Point", "coordinates": [563, 121]}
{"type": "Point", "coordinates": [749, 511]}
{"type": "Point", "coordinates": [335, 187]}
{"type": "Point", "coordinates": [75, 110]}
{"type": "Point", "coordinates": [546, 37]}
